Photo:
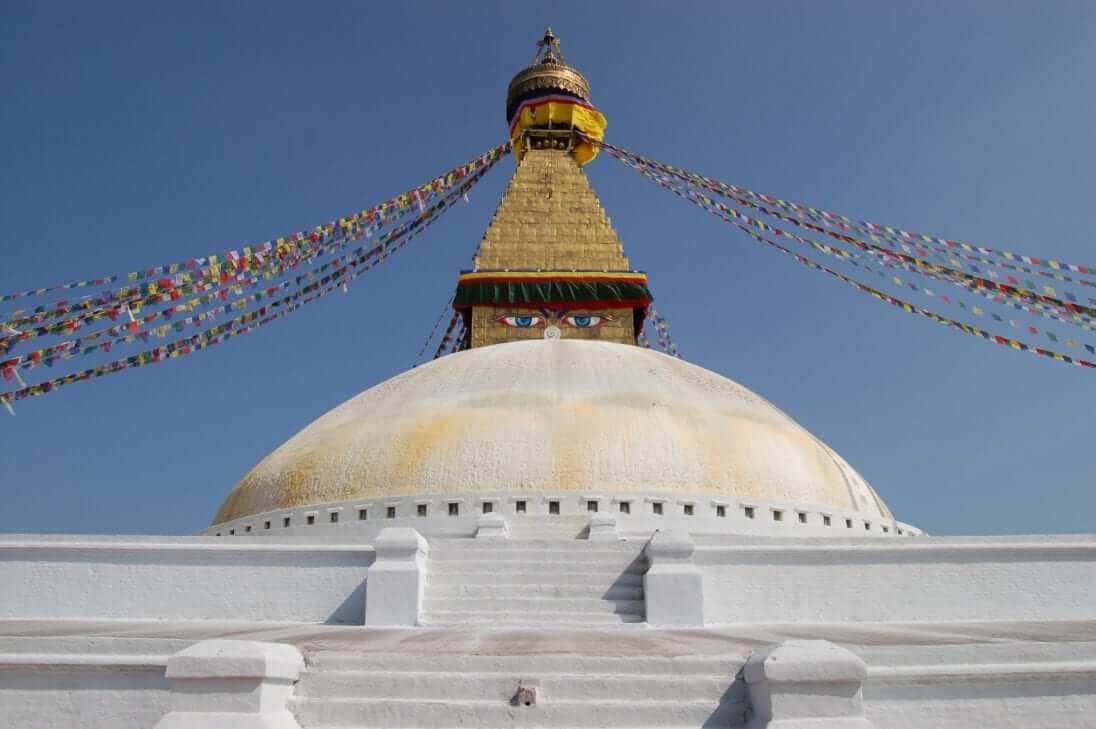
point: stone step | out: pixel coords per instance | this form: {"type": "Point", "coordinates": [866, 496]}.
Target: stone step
{"type": "Point", "coordinates": [602, 714]}
{"type": "Point", "coordinates": [533, 606]}
{"type": "Point", "coordinates": [557, 575]}
{"type": "Point", "coordinates": [538, 556]}
{"type": "Point", "coordinates": [522, 664]}
{"type": "Point", "coordinates": [525, 619]}
{"type": "Point", "coordinates": [484, 564]}
{"type": "Point", "coordinates": [602, 590]}
{"type": "Point", "coordinates": [326, 684]}
{"type": "Point", "coordinates": [528, 541]}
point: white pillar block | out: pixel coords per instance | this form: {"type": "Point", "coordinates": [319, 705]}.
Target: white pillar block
{"type": "Point", "coordinates": [237, 684]}
{"type": "Point", "coordinates": [396, 581]}
{"type": "Point", "coordinates": [673, 585]}
{"type": "Point", "coordinates": [603, 528]}
{"type": "Point", "coordinates": [492, 526]}
{"type": "Point", "coordinates": [806, 684]}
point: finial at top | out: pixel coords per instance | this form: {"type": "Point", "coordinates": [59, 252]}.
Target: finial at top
{"type": "Point", "coordinates": [548, 50]}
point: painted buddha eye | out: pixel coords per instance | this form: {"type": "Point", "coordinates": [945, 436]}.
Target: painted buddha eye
{"type": "Point", "coordinates": [584, 321]}
{"type": "Point", "coordinates": [523, 321]}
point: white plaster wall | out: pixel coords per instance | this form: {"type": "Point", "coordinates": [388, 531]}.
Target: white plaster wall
{"type": "Point", "coordinates": [920, 579]}
{"type": "Point", "coordinates": [89, 698]}
{"type": "Point", "coordinates": [90, 683]}
{"type": "Point", "coordinates": [182, 578]}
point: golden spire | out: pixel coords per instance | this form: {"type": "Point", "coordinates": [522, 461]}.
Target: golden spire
{"type": "Point", "coordinates": [550, 264]}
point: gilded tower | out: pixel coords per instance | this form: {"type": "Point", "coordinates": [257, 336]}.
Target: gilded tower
{"type": "Point", "coordinates": [550, 264]}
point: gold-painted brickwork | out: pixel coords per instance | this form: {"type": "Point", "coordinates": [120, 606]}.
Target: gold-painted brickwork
{"type": "Point", "coordinates": [550, 219]}
{"type": "Point", "coordinates": [487, 328]}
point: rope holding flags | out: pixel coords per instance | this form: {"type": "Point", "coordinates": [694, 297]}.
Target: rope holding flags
{"type": "Point", "coordinates": [1067, 306]}
{"type": "Point", "coordinates": [694, 188]}
{"type": "Point", "coordinates": [433, 332]}
{"type": "Point", "coordinates": [407, 202]}
{"type": "Point", "coordinates": [329, 278]}
{"type": "Point", "coordinates": [874, 230]}
{"type": "Point", "coordinates": [449, 337]}
{"type": "Point", "coordinates": [663, 340]}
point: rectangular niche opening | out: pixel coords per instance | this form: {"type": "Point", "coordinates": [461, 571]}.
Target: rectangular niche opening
{"type": "Point", "coordinates": [749, 512]}
{"type": "Point", "coordinates": [266, 525]}
{"type": "Point", "coordinates": [656, 507]}
{"type": "Point", "coordinates": [310, 519]}
{"type": "Point", "coordinates": [778, 515]}
{"type": "Point", "coordinates": [285, 521]}
{"type": "Point", "coordinates": [802, 518]}
{"type": "Point", "coordinates": [553, 507]}
{"type": "Point", "coordinates": [721, 511]}
{"type": "Point", "coordinates": [848, 523]}
{"type": "Point", "coordinates": [688, 509]}
{"type": "Point", "coordinates": [519, 506]}
{"type": "Point", "coordinates": [420, 509]}
{"type": "Point", "coordinates": [488, 507]}
{"type": "Point", "coordinates": [363, 514]}
{"type": "Point", "coordinates": [454, 509]}
{"type": "Point", "coordinates": [625, 507]}
{"type": "Point", "coordinates": [591, 505]}
{"type": "Point", "coordinates": [333, 517]}
{"type": "Point", "coordinates": [825, 520]}
{"type": "Point", "coordinates": [390, 512]}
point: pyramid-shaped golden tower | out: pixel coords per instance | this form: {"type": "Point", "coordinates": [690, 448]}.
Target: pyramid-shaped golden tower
{"type": "Point", "coordinates": [550, 264]}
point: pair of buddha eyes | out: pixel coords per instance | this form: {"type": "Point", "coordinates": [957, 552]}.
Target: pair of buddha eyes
{"type": "Point", "coordinates": [579, 321]}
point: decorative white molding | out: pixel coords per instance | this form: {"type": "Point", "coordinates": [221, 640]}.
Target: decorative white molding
{"type": "Point", "coordinates": [242, 684]}
{"type": "Point", "coordinates": [603, 528]}
{"type": "Point", "coordinates": [673, 585]}
{"type": "Point", "coordinates": [492, 526]}
{"type": "Point", "coordinates": [638, 521]}
{"type": "Point", "coordinates": [806, 684]}
{"type": "Point", "coordinates": [396, 581]}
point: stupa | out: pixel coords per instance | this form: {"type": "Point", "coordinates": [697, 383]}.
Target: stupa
{"type": "Point", "coordinates": [576, 420]}
{"type": "Point", "coordinates": [553, 527]}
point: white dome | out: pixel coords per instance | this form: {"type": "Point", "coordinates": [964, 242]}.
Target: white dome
{"type": "Point", "coordinates": [550, 416]}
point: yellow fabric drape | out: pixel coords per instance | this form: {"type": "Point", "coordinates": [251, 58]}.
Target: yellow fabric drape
{"type": "Point", "coordinates": [562, 114]}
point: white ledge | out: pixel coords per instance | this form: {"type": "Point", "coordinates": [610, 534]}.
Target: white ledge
{"type": "Point", "coordinates": [986, 671]}
{"type": "Point", "coordinates": [89, 660]}
{"type": "Point", "coordinates": [912, 545]}
{"type": "Point", "coordinates": [223, 544]}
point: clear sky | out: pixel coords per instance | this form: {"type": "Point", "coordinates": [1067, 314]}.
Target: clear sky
{"type": "Point", "coordinates": [135, 133]}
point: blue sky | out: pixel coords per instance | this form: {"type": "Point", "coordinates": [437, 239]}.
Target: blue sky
{"type": "Point", "coordinates": [134, 134]}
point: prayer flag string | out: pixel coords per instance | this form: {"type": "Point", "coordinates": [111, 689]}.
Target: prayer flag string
{"type": "Point", "coordinates": [410, 201]}
{"type": "Point", "coordinates": [661, 328]}
{"type": "Point", "coordinates": [433, 331]}
{"type": "Point", "coordinates": [723, 213]}
{"type": "Point", "coordinates": [335, 281]}
{"type": "Point", "coordinates": [447, 338]}
{"type": "Point", "coordinates": [883, 232]}
{"type": "Point", "coordinates": [851, 258]}
{"type": "Point", "coordinates": [1077, 313]}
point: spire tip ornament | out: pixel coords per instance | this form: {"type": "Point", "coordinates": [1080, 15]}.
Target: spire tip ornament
{"type": "Point", "coordinates": [550, 101]}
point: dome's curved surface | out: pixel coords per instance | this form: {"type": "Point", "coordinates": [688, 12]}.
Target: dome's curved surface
{"type": "Point", "coordinates": [563, 415]}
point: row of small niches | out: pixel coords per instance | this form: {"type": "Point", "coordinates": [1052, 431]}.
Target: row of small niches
{"type": "Point", "coordinates": [521, 506]}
